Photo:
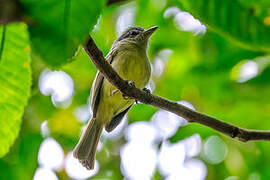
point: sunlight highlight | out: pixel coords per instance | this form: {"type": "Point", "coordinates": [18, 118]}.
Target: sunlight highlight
{"type": "Point", "coordinates": [171, 12]}
{"type": "Point", "coordinates": [82, 113]}
{"type": "Point", "coordinates": [171, 157]}
{"type": "Point", "coordinates": [193, 145]}
{"type": "Point", "coordinates": [44, 174]}
{"type": "Point", "coordinates": [175, 160]}
{"type": "Point", "coordinates": [143, 132]}
{"type": "Point", "coordinates": [44, 129]}
{"type": "Point", "coordinates": [138, 160]}
{"type": "Point", "coordinates": [76, 171]}
{"type": "Point", "coordinates": [166, 123]}
{"type": "Point", "coordinates": [51, 154]}
{"type": "Point", "coordinates": [126, 18]}
{"type": "Point", "coordinates": [215, 150]}
{"type": "Point", "coordinates": [196, 168]}
{"type": "Point", "coordinates": [185, 21]}
{"type": "Point", "coordinates": [140, 155]}
{"type": "Point", "coordinates": [160, 62]}
{"type": "Point", "coordinates": [232, 178]}
{"type": "Point", "coordinates": [59, 85]}
{"type": "Point", "coordinates": [247, 71]}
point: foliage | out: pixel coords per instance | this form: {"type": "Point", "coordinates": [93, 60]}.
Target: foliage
{"type": "Point", "coordinates": [230, 18]}
{"type": "Point", "coordinates": [206, 69]}
{"type": "Point", "coordinates": [15, 81]}
{"type": "Point", "coordinates": [58, 27]}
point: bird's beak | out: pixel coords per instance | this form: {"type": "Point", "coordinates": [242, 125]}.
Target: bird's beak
{"type": "Point", "coordinates": [148, 32]}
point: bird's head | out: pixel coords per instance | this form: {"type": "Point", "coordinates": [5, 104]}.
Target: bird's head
{"type": "Point", "coordinates": [136, 35]}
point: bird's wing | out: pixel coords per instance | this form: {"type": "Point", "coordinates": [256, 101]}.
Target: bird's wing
{"type": "Point", "coordinates": [116, 120]}
{"type": "Point", "coordinates": [97, 84]}
{"type": "Point", "coordinates": [95, 96]}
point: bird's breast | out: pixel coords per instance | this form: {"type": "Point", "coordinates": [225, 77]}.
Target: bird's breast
{"type": "Point", "coordinates": [134, 66]}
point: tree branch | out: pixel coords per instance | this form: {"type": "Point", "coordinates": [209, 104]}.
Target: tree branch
{"type": "Point", "coordinates": [192, 116]}
{"type": "Point", "coordinates": [11, 11]}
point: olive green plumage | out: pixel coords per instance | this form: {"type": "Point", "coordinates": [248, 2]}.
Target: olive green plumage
{"type": "Point", "coordinates": [129, 59]}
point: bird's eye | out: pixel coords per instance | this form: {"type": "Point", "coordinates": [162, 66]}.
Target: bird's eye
{"type": "Point", "coordinates": [134, 33]}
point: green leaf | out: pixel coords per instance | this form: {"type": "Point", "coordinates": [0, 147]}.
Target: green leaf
{"type": "Point", "coordinates": [15, 82]}
{"type": "Point", "coordinates": [190, 129]}
{"type": "Point", "coordinates": [231, 19]}
{"type": "Point", "coordinates": [57, 27]}
{"type": "Point", "coordinates": [141, 112]}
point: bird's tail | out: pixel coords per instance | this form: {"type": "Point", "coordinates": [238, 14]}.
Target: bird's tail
{"type": "Point", "coordinates": [85, 150]}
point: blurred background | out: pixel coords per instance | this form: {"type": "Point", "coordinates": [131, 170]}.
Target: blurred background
{"type": "Point", "coordinates": [192, 64]}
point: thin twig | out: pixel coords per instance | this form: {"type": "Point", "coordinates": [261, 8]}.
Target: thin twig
{"type": "Point", "coordinates": [192, 116]}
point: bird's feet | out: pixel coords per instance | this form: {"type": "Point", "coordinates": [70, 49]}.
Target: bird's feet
{"type": "Point", "coordinates": [131, 83]}
{"type": "Point", "coordinates": [146, 90]}
{"type": "Point", "coordinates": [114, 92]}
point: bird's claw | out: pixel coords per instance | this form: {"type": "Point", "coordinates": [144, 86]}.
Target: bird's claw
{"type": "Point", "coordinates": [146, 90]}
{"type": "Point", "coordinates": [114, 91]}
{"type": "Point", "coordinates": [125, 97]}
{"type": "Point", "coordinates": [131, 83]}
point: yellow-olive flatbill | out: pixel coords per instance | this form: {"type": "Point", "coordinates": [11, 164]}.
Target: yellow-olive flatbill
{"type": "Point", "coordinates": [129, 59]}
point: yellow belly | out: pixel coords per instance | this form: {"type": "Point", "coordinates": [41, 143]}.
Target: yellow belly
{"type": "Point", "coordinates": [130, 67]}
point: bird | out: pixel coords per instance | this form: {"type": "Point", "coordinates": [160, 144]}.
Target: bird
{"type": "Point", "coordinates": [128, 57]}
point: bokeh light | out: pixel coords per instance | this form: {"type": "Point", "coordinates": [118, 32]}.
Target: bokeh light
{"type": "Point", "coordinates": [44, 129]}
{"type": "Point", "coordinates": [160, 62]}
{"type": "Point", "coordinates": [247, 71]}
{"type": "Point", "coordinates": [158, 145]}
{"type": "Point", "coordinates": [44, 174]}
{"type": "Point", "coordinates": [166, 123]}
{"type": "Point", "coordinates": [181, 173]}
{"type": "Point", "coordinates": [232, 178]}
{"type": "Point", "coordinates": [235, 161]}
{"type": "Point", "coordinates": [193, 169]}
{"type": "Point", "coordinates": [185, 21]}
{"type": "Point", "coordinates": [82, 113]}
{"type": "Point", "coordinates": [158, 67]}
{"type": "Point", "coordinates": [138, 160]}
{"type": "Point", "coordinates": [75, 170]}
{"type": "Point", "coordinates": [254, 176]}
{"type": "Point", "coordinates": [171, 12]}
{"type": "Point", "coordinates": [215, 150]}
{"type": "Point", "coordinates": [142, 132]}
{"type": "Point", "coordinates": [126, 18]}
{"type": "Point", "coordinates": [196, 168]}
{"type": "Point", "coordinates": [59, 85]}
{"type": "Point", "coordinates": [51, 154]}
{"type": "Point", "coordinates": [187, 104]}
{"type": "Point", "coordinates": [171, 157]}
{"type": "Point", "coordinates": [193, 145]}
{"type": "Point", "coordinates": [151, 86]}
